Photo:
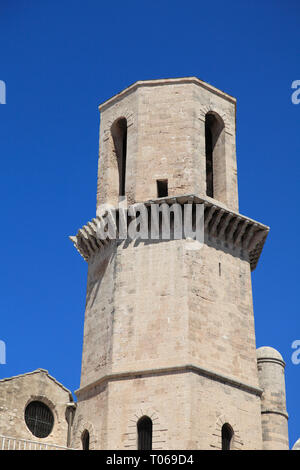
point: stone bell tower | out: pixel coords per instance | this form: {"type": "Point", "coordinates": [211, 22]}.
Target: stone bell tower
{"type": "Point", "coordinates": [169, 355]}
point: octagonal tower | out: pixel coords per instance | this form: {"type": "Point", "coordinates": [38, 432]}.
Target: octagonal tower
{"type": "Point", "coordinates": [169, 354]}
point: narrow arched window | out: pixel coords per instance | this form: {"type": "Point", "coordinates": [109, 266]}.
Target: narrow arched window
{"type": "Point", "coordinates": [215, 155]}
{"type": "Point", "coordinates": [144, 429]}
{"type": "Point", "coordinates": [119, 135]}
{"type": "Point", "coordinates": [227, 435]}
{"type": "Point", "coordinates": [85, 439]}
{"type": "Point", "coordinates": [209, 158]}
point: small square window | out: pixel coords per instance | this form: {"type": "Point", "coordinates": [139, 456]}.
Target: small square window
{"type": "Point", "coordinates": [162, 188]}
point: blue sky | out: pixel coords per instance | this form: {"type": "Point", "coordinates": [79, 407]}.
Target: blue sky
{"type": "Point", "coordinates": [59, 60]}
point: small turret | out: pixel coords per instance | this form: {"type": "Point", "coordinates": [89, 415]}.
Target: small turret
{"type": "Point", "coordinates": [273, 401]}
{"type": "Point", "coordinates": [296, 446]}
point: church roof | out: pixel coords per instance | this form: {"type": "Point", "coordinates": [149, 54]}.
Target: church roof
{"type": "Point", "coordinates": [39, 371]}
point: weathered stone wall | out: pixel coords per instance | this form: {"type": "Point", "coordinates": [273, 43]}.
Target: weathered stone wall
{"type": "Point", "coordinates": [164, 398]}
{"type": "Point", "coordinates": [221, 320]}
{"type": "Point", "coordinates": [158, 301]}
{"type": "Point", "coordinates": [215, 403]}
{"type": "Point", "coordinates": [136, 310]}
{"type": "Point", "coordinates": [99, 317]}
{"type": "Point", "coordinates": [154, 308]}
{"type": "Point", "coordinates": [166, 140]}
{"type": "Point", "coordinates": [187, 410]}
{"type": "Point", "coordinates": [91, 416]}
{"type": "Point", "coordinates": [17, 392]}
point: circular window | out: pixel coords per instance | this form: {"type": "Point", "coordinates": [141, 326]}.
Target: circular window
{"type": "Point", "coordinates": [39, 419]}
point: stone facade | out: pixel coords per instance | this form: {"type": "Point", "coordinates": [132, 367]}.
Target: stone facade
{"type": "Point", "coordinates": [165, 120]}
{"type": "Point", "coordinates": [17, 392]}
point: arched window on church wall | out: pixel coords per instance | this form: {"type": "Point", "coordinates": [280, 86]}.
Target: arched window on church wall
{"type": "Point", "coordinates": [227, 435]}
{"type": "Point", "coordinates": [144, 429]}
{"type": "Point", "coordinates": [85, 439]}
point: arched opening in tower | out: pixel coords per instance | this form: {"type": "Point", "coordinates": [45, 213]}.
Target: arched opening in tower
{"type": "Point", "coordinates": [214, 153]}
{"type": "Point", "coordinates": [227, 435]}
{"type": "Point", "coordinates": [144, 428]}
{"type": "Point", "coordinates": [85, 439]}
{"type": "Point", "coordinates": [119, 135]}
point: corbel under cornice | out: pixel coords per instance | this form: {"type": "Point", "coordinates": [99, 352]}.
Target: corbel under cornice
{"type": "Point", "coordinates": [219, 222]}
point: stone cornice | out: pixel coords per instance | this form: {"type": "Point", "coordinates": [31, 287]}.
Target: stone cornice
{"type": "Point", "coordinates": [220, 222]}
{"type": "Point", "coordinates": [166, 81]}
{"type": "Point", "coordinates": [273, 360]}
{"type": "Point", "coordinates": [276, 412]}
{"type": "Point", "coordinates": [187, 368]}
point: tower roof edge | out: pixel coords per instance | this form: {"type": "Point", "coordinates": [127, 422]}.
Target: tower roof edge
{"type": "Point", "coordinates": [165, 81]}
